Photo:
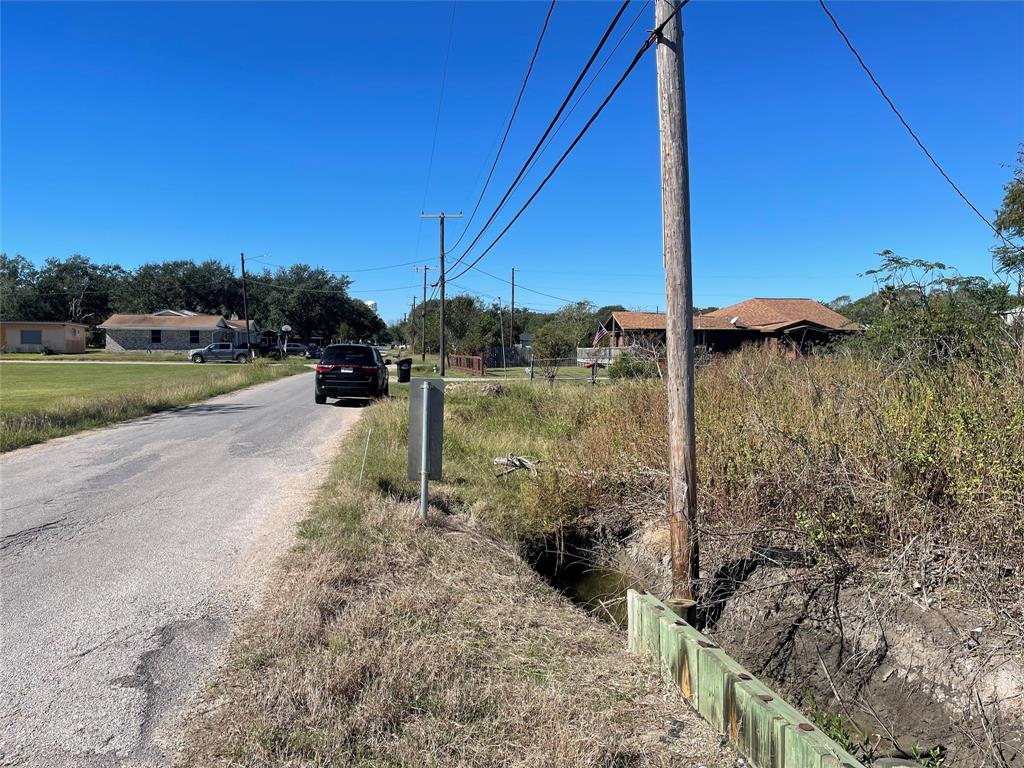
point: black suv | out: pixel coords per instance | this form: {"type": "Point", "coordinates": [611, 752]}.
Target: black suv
{"type": "Point", "coordinates": [351, 370]}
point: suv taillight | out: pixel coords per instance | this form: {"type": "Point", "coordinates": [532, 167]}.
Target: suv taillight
{"type": "Point", "coordinates": [320, 368]}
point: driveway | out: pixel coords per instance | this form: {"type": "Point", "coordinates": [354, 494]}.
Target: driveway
{"type": "Point", "coordinates": [128, 553]}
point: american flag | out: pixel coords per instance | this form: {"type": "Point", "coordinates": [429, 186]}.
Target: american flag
{"type": "Point", "coordinates": [601, 333]}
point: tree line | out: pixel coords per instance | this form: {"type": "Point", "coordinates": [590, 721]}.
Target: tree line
{"type": "Point", "coordinates": [475, 327]}
{"type": "Point", "coordinates": [312, 300]}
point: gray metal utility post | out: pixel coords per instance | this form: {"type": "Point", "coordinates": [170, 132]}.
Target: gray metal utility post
{"type": "Point", "coordinates": [426, 423]}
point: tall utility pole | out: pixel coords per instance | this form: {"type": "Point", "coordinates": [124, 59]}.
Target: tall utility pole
{"type": "Point", "coordinates": [675, 214]}
{"type": "Point", "coordinates": [245, 309]}
{"type": "Point", "coordinates": [440, 322]}
{"type": "Point", "coordinates": [512, 312]}
{"type": "Point", "coordinates": [423, 308]}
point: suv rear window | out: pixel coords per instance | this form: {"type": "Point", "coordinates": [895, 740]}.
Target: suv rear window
{"type": "Point", "coordinates": [344, 354]}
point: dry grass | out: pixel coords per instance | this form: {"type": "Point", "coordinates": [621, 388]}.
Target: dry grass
{"type": "Point", "coordinates": [390, 643]}
{"type": "Point", "coordinates": [837, 456]}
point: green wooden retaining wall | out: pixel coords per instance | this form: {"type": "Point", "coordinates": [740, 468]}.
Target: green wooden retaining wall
{"type": "Point", "coordinates": [757, 721]}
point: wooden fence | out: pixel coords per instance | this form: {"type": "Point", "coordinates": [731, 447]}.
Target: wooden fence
{"type": "Point", "coordinates": [469, 363]}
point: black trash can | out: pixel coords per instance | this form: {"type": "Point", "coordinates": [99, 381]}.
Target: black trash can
{"type": "Point", "coordinates": [404, 370]}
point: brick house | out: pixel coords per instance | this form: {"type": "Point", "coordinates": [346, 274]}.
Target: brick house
{"type": "Point", "coordinates": [172, 330]}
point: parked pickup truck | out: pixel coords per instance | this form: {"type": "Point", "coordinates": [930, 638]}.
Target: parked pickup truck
{"type": "Point", "coordinates": [223, 351]}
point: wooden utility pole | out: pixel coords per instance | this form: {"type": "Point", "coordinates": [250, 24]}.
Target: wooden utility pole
{"type": "Point", "coordinates": [423, 308]}
{"type": "Point", "coordinates": [440, 321]}
{"type": "Point", "coordinates": [675, 214]}
{"type": "Point", "coordinates": [512, 312]}
{"type": "Point", "coordinates": [245, 309]}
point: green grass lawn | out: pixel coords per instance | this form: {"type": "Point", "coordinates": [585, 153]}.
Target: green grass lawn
{"type": "Point", "coordinates": [34, 387]}
{"type": "Point", "coordinates": [38, 402]}
{"type": "Point", "coordinates": [99, 354]}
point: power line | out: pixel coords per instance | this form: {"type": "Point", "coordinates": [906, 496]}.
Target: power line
{"type": "Point", "coordinates": [732, 276]}
{"type": "Point", "coordinates": [524, 288]}
{"type": "Point", "coordinates": [586, 89]}
{"type": "Point", "coordinates": [547, 131]}
{"type": "Point", "coordinates": [913, 135]}
{"type": "Point", "coordinates": [632, 65]}
{"type": "Point", "coordinates": [114, 289]}
{"type": "Point", "coordinates": [346, 289]}
{"type": "Point", "coordinates": [508, 126]}
{"type": "Point", "coordinates": [483, 295]}
{"type": "Point", "coordinates": [440, 102]}
{"type": "Point", "coordinates": [344, 271]}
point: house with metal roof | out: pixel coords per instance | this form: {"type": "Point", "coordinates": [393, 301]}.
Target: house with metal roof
{"type": "Point", "coordinates": [172, 330]}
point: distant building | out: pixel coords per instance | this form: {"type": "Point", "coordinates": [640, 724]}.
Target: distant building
{"type": "Point", "coordinates": [791, 325]}
{"type": "Point", "coordinates": [1014, 316]}
{"type": "Point", "coordinates": [32, 336]}
{"type": "Point", "coordinates": [172, 330]}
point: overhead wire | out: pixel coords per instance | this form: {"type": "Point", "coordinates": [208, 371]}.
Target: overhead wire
{"type": "Point", "coordinates": [593, 56]}
{"type": "Point", "coordinates": [346, 289]}
{"type": "Point", "coordinates": [440, 103]}
{"type": "Point", "coordinates": [522, 287]}
{"type": "Point", "coordinates": [910, 130]}
{"type": "Point", "coordinates": [584, 92]}
{"type": "Point", "coordinates": [437, 123]}
{"type": "Point", "coordinates": [508, 126]}
{"type": "Point", "coordinates": [344, 271]}
{"type": "Point", "coordinates": [579, 136]}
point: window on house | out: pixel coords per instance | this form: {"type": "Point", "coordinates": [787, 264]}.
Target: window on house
{"type": "Point", "coordinates": [193, 337]}
{"type": "Point", "coordinates": [31, 337]}
{"type": "Point", "coordinates": [154, 337]}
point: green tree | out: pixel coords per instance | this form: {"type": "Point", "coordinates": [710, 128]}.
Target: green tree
{"type": "Point", "coordinates": [571, 326]}
{"type": "Point", "coordinates": [19, 299]}
{"type": "Point", "coordinates": [209, 287]}
{"type": "Point", "coordinates": [77, 290]}
{"type": "Point", "coordinates": [1009, 222]}
{"type": "Point", "coordinates": [924, 312]}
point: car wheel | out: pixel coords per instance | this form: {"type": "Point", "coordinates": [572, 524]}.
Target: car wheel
{"type": "Point", "coordinates": [320, 399]}
{"type": "Point", "coordinates": [198, 359]}
{"type": "Point", "coordinates": [241, 359]}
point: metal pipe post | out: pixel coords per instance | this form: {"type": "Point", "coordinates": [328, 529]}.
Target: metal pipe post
{"type": "Point", "coordinates": [424, 451]}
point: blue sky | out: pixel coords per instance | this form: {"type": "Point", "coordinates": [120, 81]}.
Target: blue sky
{"type": "Point", "coordinates": [136, 132]}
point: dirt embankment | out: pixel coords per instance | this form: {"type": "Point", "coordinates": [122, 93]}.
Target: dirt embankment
{"type": "Point", "coordinates": [893, 664]}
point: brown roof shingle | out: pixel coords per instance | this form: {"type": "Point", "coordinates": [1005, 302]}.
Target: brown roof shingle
{"type": "Point", "coordinates": [772, 314]}
{"type": "Point", "coordinates": [640, 321]}
{"type": "Point", "coordinates": [170, 322]}
{"type": "Point", "coordinates": [758, 314]}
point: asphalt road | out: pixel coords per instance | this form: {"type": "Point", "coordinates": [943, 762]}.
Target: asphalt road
{"type": "Point", "coordinates": [126, 556]}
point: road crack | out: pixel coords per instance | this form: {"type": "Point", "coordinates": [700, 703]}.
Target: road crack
{"type": "Point", "coordinates": [27, 536]}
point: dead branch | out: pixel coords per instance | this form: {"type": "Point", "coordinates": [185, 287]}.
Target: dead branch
{"type": "Point", "coordinates": [513, 463]}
